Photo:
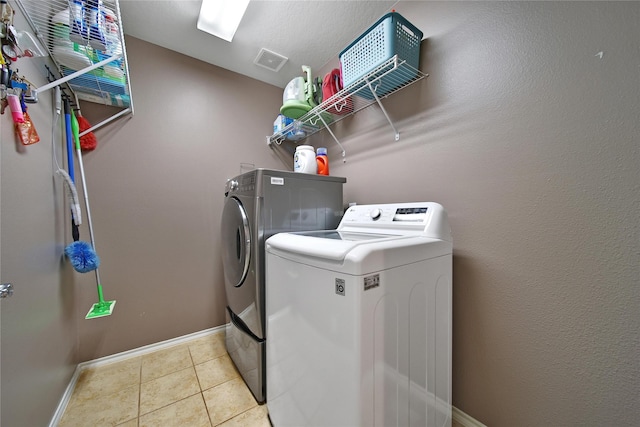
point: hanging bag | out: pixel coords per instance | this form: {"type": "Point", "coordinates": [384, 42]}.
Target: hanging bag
{"type": "Point", "coordinates": [26, 131]}
{"type": "Point", "coordinates": [331, 85]}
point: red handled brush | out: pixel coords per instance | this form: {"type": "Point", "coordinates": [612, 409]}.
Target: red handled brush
{"type": "Point", "coordinates": [88, 142]}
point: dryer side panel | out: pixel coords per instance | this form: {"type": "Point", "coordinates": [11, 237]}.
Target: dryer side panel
{"type": "Point", "coordinates": [292, 204]}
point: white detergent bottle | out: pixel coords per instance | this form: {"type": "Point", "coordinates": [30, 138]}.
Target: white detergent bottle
{"type": "Point", "coordinates": [304, 160]}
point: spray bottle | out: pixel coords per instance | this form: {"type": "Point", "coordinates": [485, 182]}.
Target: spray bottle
{"type": "Point", "coordinates": [78, 31]}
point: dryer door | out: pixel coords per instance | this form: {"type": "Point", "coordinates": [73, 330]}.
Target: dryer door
{"type": "Point", "coordinates": [236, 243]}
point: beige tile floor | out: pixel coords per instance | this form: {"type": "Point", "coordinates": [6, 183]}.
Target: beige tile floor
{"type": "Point", "coordinates": [189, 385]}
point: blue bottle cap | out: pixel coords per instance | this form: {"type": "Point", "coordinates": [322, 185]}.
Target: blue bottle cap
{"type": "Point", "coordinates": [322, 151]}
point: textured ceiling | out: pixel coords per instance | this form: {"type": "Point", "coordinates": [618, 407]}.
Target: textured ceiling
{"type": "Point", "coordinates": [307, 32]}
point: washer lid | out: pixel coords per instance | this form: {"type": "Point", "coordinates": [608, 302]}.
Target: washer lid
{"type": "Point", "coordinates": [371, 238]}
{"type": "Point", "coordinates": [331, 245]}
{"type": "Point", "coordinates": [346, 235]}
{"type": "Point", "coordinates": [354, 253]}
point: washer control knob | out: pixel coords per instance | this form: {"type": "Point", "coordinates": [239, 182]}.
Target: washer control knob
{"type": "Point", "coordinates": [233, 185]}
{"type": "Point", "coordinates": [375, 213]}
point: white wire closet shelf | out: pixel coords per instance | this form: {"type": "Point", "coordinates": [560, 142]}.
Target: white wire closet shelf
{"type": "Point", "coordinates": [386, 79]}
{"type": "Point", "coordinates": [91, 60]}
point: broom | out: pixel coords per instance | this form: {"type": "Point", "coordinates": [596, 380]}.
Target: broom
{"type": "Point", "coordinates": [102, 307]}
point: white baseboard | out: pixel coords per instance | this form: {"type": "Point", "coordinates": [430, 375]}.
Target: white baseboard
{"type": "Point", "coordinates": [119, 357]}
{"type": "Point", "coordinates": [141, 351]}
{"type": "Point", "coordinates": [463, 419]}
{"type": "Point", "coordinates": [64, 401]}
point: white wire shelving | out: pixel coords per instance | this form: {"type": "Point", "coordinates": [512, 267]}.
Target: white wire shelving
{"type": "Point", "coordinates": [98, 76]}
{"type": "Point", "coordinates": [388, 78]}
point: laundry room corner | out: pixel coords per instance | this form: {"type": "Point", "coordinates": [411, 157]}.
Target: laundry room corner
{"type": "Point", "coordinates": [157, 184]}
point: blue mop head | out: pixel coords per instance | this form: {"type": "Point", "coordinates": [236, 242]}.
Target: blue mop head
{"type": "Point", "coordinates": [82, 256]}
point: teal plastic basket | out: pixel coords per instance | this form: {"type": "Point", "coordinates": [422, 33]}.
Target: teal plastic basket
{"type": "Point", "coordinates": [391, 35]}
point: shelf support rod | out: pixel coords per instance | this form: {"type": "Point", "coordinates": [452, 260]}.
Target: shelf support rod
{"type": "Point", "coordinates": [344, 160]}
{"type": "Point", "coordinates": [375, 95]}
{"type": "Point", "coordinates": [109, 120]}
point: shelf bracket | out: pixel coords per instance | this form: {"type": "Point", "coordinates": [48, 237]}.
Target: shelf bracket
{"type": "Point", "coordinates": [344, 160]}
{"type": "Point", "coordinates": [384, 111]}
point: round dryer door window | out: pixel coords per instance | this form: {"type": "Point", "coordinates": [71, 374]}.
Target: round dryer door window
{"type": "Point", "coordinates": [236, 242]}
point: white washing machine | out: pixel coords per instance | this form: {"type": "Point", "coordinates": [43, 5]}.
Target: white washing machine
{"type": "Point", "coordinates": [359, 320]}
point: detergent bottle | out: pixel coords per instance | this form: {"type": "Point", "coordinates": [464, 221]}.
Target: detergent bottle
{"type": "Point", "coordinates": [323, 161]}
{"type": "Point", "coordinates": [304, 159]}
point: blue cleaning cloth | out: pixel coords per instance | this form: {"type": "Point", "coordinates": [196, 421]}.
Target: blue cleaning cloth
{"type": "Point", "coordinates": [82, 256]}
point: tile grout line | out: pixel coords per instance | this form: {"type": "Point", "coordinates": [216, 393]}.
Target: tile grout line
{"type": "Point", "coordinates": [179, 400]}
{"type": "Point", "coordinates": [170, 403]}
{"type": "Point", "coordinates": [204, 402]}
{"type": "Point", "coordinates": [139, 393]}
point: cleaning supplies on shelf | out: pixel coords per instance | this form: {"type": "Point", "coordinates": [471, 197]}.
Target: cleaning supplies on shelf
{"type": "Point", "coordinates": [112, 34]}
{"type": "Point", "coordinates": [301, 94]}
{"type": "Point", "coordinates": [77, 28]}
{"type": "Point", "coordinates": [304, 159]}
{"type": "Point", "coordinates": [298, 98]}
{"type": "Point", "coordinates": [291, 129]}
{"type": "Point", "coordinates": [74, 53]}
{"type": "Point", "coordinates": [322, 161]}
{"type": "Point", "coordinates": [280, 123]}
{"type": "Point", "coordinates": [96, 24]}
{"type": "Point", "coordinates": [297, 131]}
{"type": "Point", "coordinates": [331, 85]}
{"type": "Point", "coordinates": [87, 23]}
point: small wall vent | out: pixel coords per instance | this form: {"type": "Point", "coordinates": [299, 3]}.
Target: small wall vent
{"type": "Point", "coordinates": [270, 60]}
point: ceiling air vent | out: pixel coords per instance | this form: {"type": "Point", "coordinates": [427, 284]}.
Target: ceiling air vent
{"type": "Point", "coordinates": [270, 60]}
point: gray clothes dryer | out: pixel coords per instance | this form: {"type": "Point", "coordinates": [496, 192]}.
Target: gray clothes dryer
{"type": "Point", "coordinates": [259, 204]}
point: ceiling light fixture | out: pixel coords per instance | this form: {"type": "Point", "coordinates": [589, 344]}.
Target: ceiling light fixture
{"type": "Point", "coordinates": [221, 18]}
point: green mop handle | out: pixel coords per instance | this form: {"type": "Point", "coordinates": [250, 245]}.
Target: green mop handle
{"type": "Point", "coordinates": [100, 295]}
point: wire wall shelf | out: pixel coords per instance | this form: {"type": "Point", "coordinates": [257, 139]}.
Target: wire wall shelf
{"type": "Point", "coordinates": [93, 64]}
{"type": "Point", "coordinates": [386, 79]}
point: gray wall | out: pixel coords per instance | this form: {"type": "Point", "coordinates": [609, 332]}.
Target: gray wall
{"type": "Point", "coordinates": [39, 326]}
{"type": "Point", "coordinates": [156, 185]}
{"type": "Point", "coordinates": [531, 141]}
{"type": "Point", "coordinates": [522, 131]}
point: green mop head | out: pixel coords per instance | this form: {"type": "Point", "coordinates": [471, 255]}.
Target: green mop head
{"type": "Point", "coordinates": [101, 308]}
